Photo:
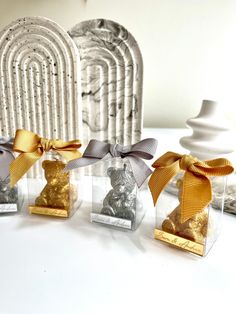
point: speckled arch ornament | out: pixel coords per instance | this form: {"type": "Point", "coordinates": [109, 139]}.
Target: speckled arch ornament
{"type": "Point", "coordinates": [112, 81]}
{"type": "Point", "coordinates": [39, 80]}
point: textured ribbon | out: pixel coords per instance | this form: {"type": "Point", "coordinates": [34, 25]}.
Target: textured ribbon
{"type": "Point", "coordinates": [98, 150]}
{"type": "Point", "coordinates": [197, 191]}
{"type": "Point", "coordinates": [31, 148]}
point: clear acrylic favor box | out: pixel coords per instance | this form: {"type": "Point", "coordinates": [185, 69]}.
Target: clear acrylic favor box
{"type": "Point", "coordinates": [197, 234]}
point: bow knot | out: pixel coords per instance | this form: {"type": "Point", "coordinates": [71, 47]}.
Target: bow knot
{"type": "Point", "coordinates": [196, 191]}
{"type": "Point", "coordinates": [47, 144]}
{"type": "Point", "coordinates": [186, 161]}
{"type": "Point", "coordinates": [115, 150]}
{"type": "Point", "coordinates": [31, 148]}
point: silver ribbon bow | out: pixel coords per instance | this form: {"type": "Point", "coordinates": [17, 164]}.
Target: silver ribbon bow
{"type": "Point", "coordinates": [98, 150]}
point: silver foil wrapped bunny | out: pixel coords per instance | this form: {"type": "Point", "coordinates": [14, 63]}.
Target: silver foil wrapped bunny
{"type": "Point", "coordinates": [121, 201]}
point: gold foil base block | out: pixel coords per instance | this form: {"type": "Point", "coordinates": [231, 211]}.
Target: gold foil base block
{"type": "Point", "coordinates": [179, 242]}
{"type": "Point", "coordinates": [39, 210]}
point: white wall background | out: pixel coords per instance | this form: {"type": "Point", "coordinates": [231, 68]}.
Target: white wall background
{"type": "Point", "coordinates": [188, 47]}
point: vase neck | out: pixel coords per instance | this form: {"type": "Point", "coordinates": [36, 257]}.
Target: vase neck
{"type": "Point", "coordinates": [209, 108]}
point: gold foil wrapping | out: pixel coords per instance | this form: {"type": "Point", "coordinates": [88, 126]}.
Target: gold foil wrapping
{"type": "Point", "coordinates": [194, 229]}
{"type": "Point", "coordinates": [189, 235]}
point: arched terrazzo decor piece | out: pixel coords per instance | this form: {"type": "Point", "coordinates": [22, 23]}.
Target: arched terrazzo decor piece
{"type": "Point", "coordinates": [39, 80]}
{"type": "Point", "coordinates": [112, 79]}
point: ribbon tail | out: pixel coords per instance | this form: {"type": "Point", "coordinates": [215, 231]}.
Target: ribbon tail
{"type": "Point", "coordinates": [160, 178]}
{"type": "Point", "coordinates": [80, 162]}
{"type": "Point", "coordinates": [140, 170]}
{"type": "Point", "coordinates": [69, 155]}
{"type": "Point", "coordinates": [196, 195]}
{"type": "Point", "coordinates": [21, 165]}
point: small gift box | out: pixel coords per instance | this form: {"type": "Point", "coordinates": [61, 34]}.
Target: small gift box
{"type": "Point", "coordinates": [10, 197]}
{"type": "Point", "coordinates": [117, 194]}
{"type": "Point", "coordinates": [188, 221]}
{"type": "Point", "coordinates": [56, 194]}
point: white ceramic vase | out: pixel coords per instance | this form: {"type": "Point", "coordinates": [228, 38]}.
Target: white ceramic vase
{"type": "Point", "coordinates": [211, 137]}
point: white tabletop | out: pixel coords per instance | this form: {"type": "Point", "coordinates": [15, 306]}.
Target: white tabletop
{"type": "Point", "coordinates": [54, 266]}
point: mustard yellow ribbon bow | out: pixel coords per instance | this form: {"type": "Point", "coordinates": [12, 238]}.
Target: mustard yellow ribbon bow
{"type": "Point", "coordinates": [196, 191]}
{"type": "Point", "coordinates": [31, 148]}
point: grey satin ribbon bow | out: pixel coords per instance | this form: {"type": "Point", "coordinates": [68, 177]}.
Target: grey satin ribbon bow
{"type": "Point", "coordinates": [98, 150]}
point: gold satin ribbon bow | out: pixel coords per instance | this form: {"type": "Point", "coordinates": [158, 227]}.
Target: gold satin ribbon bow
{"type": "Point", "coordinates": [196, 191]}
{"type": "Point", "coordinates": [31, 148]}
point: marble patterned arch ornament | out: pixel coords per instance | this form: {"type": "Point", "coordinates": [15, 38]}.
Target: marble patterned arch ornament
{"type": "Point", "coordinates": [39, 80]}
{"type": "Point", "coordinates": [112, 80]}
